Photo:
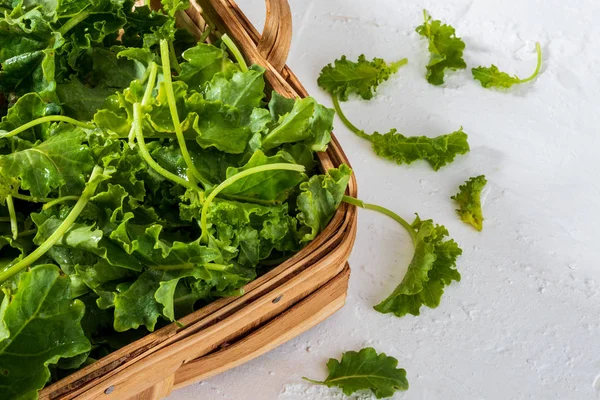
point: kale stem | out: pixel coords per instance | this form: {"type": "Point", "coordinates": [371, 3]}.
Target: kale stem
{"type": "Point", "coordinates": [4, 219]}
{"type": "Point", "coordinates": [151, 83]}
{"type": "Point", "coordinates": [209, 266]}
{"type": "Point", "coordinates": [31, 198]}
{"type": "Point", "coordinates": [71, 23]}
{"type": "Point", "coordinates": [205, 34]}
{"type": "Point", "coordinates": [173, 58]}
{"type": "Point", "coordinates": [164, 54]}
{"type": "Point", "coordinates": [146, 99]}
{"type": "Point", "coordinates": [400, 63]}
{"type": "Point", "coordinates": [346, 121]}
{"type": "Point", "coordinates": [427, 25]}
{"type": "Point", "coordinates": [538, 49]}
{"type": "Point", "coordinates": [14, 227]}
{"type": "Point", "coordinates": [216, 267]}
{"type": "Point", "coordinates": [230, 181]}
{"type": "Point", "coordinates": [28, 232]}
{"type": "Point", "coordinates": [48, 118]}
{"type": "Point", "coordinates": [58, 201]}
{"type": "Point", "coordinates": [88, 192]}
{"type": "Point", "coordinates": [137, 127]}
{"type": "Point", "coordinates": [235, 51]}
{"type": "Point", "coordinates": [385, 211]}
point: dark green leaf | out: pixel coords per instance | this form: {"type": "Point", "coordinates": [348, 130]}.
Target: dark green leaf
{"type": "Point", "coordinates": [431, 269]}
{"type": "Point", "coordinates": [44, 326]}
{"type": "Point", "coordinates": [268, 185]}
{"type": "Point", "coordinates": [61, 161]}
{"type": "Point", "coordinates": [203, 62]}
{"type": "Point", "coordinates": [365, 370]}
{"type": "Point", "coordinates": [319, 199]}
{"type": "Point", "coordinates": [244, 91]}
{"type": "Point", "coordinates": [362, 78]}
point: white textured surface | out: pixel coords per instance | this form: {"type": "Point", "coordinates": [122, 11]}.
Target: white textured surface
{"type": "Point", "coordinates": [524, 323]}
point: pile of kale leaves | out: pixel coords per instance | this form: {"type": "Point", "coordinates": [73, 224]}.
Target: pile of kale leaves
{"type": "Point", "coordinates": [142, 175]}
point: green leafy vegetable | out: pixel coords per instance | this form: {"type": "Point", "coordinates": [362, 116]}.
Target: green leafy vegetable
{"type": "Point", "coordinates": [492, 77]}
{"type": "Point", "coordinates": [432, 267]}
{"type": "Point", "coordinates": [469, 201]}
{"type": "Point", "coordinates": [365, 370]}
{"type": "Point", "coordinates": [142, 176]}
{"type": "Point", "coordinates": [59, 162]}
{"type": "Point", "coordinates": [41, 325]}
{"type": "Point", "coordinates": [438, 151]}
{"type": "Point", "coordinates": [445, 48]}
{"type": "Point", "coordinates": [318, 200]}
{"type": "Point", "coordinates": [362, 78]}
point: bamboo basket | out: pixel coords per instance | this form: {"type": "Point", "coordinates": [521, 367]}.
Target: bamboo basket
{"type": "Point", "coordinates": [277, 306]}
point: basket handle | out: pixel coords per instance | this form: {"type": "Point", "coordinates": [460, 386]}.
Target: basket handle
{"type": "Point", "coordinates": [276, 39]}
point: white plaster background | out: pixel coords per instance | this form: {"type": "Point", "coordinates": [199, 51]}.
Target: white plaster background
{"type": "Point", "coordinates": [524, 322]}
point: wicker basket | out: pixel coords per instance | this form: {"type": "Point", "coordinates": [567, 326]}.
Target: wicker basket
{"type": "Point", "coordinates": [277, 306]}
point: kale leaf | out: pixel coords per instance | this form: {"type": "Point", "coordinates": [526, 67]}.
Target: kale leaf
{"type": "Point", "coordinates": [362, 78]}
{"type": "Point", "coordinates": [432, 267]}
{"type": "Point", "coordinates": [469, 201]}
{"type": "Point", "coordinates": [365, 370]}
{"type": "Point", "coordinates": [490, 77]}
{"type": "Point", "coordinates": [446, 50]}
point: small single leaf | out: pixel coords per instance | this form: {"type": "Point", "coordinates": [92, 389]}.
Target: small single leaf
{"type": "Point", "coordinates": [203, 63]}
{"type": "Point", "coordinates": [268, 185]}
{"type": "Point", "coordinates": [445, 48]}
{"type": "Point", "coordinates": [430, 270]}
{"type": "Point", "coordinates": [293, 126]}
{"type": "Point", "coordinates": [216, 125]}
{"type": "Point", "coordinates": [344, 77]}
{"type": "Point", "coordinates": [438, 151]}
{"type": "Point", "coordinates": [244, 91]}
{"type": "Point", "coordinates": [365, 370]}
{"type": "Point", "coordinates": [319, 199]}
{"type": "Point", "coordinates": [469, 201]}
{"type": "Point", "coordinates": [492, 77]}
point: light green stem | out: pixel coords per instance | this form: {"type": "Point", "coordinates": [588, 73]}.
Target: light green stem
{"type": "Point", "coordinates": [164, 53]}
{"type": "Point", "coordinates": [426, 17]}
{"type": "Point", "coordinates": [230, 181]}
{"type": "Point", "coordinates": [71, 23]}
{"type": "Point", "coordinates": [205, 34]}
{"type": "Point", "coordinates": [42, 120]}
{"type": "Point", "coordinates": [346, 121]}
{"type": "Point", "coordinates": [14, 226]}
{"type": "Point", "coordinates": [28, 232]}
{"type": "Point", "coordinates": [399, 63]}
{"type": "Point", "coordinates": [538, 50]}
{"type": "Point", "coordinates": [137, 127]}
{"type": "Point", "coordinates": [88, 192]}
{"type": "Point", "coordinates": [235, 51]}
{"type": "Point", "coordinates": [59, 201]}
{"type": "Point", "coordinates": [385, 211]}
{"type": "Point", "coordinates": [173, 58]}
{"type": "Point", "coordinates": [209, 266]}
{"type": "Point", "coordinates": [146, 99]}
{"type": "Point", "coordinates": [151, 83]}
{"type": "Point", "coordinates": [31, 198]}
